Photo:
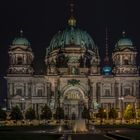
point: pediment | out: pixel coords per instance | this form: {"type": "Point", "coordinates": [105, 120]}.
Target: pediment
{"type": "Point", "coordinates": [129, 97]}
{"type": "Point", "coordinates": [17, 97]}
{"type": "Point", "coordinates": [18, 49]}
{"type": "Point", "coordinates": [127, 50]}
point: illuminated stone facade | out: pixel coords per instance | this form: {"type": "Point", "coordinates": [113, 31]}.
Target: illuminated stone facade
{"type": "Point", "coordinates": [74, 77]}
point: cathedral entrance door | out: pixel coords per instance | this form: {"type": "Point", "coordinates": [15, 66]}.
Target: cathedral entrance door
{"type": "Point", "coordinates": [72, 104]}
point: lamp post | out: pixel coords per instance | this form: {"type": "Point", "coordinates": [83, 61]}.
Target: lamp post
{"type": "Point", "coordinates": [22, 101]}
{"type": "Point", "coordinates": [135, 111]}
{"type": "Point", "coordinates": [5, 104]}
{"type": "Point", "coordinates": [22, 105]}
{"type": "Point", "coordinates": [105, 111]}
{"type": "Point", "coordinates": [121, 99]}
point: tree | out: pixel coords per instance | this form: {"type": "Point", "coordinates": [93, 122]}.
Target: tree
{"type": "Point", "coordinates": [138, 112]}
{"type": "Point", "coordinates": [101, 114]}
{"type": "Point", "coordinates": [59, 113]}
{"type": "Point", "coordinates": [30, 114]}
{"type": "Point", "coordinates": [16, 114]}
{"type": "Point", "coordinates": [3, 114]}
{"type": "Point", "coordinates": [46, 113]}
{"type": "Point", "coordinates": [113, 114]}
{"type": "Point", "coordinates": [129, 113]}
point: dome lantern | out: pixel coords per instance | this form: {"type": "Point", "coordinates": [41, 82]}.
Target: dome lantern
{"type": "Point", "coordinates": [71, 36]}
{"type": "Point", "coordinates": [72, 20]}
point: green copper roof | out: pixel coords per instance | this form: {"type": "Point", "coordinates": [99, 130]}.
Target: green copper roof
{"type": "Point", "coordinates": [124, 43]}
{"type": "Point", "coordinates": [21, 41]}
{"type": "Point", "coordinates": [71, 35]}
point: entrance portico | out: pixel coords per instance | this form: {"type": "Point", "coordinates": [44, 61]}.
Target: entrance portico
{"type": "Point", "coordinates": [73, 102]}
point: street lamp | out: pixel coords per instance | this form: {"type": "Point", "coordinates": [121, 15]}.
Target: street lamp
{"type": "Point", "coordinates": [135, 111]}
{"type": "Point", "coordinates": [121, 99]}
{"type": "Point", "coordinates": [5, 104]}
{"type": "Point", "coordinates": [22, 104]}
{"type": "Point", "coordinates": [22, 100]}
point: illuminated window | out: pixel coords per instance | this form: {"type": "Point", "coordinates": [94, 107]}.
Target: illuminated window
{"type": "Point", "coordinates": [107, 92]}
{"type": "Point", "coordinates": [19, 60]}
{"type": "Point", "coordinates": [39, 92]}
{"type": "Point", "coordinates": [126, 62]}
{"type": "Point", "coordinates": [19, 92]}
{"type": "Point", "coordinates": [127, 91]}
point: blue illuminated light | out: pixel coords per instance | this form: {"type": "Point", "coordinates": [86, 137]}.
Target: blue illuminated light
{"type": "Point", "coordinates": [107, 70]}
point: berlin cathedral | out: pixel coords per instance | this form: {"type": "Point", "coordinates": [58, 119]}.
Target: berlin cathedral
{"type": "Point", "coordinates": [74, 76]}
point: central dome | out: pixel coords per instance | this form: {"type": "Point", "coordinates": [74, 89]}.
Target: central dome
{"type": "Point", "coordinates": [71, 35]}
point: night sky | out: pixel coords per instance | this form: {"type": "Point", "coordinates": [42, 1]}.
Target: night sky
{"type": "Point", "coordinates": [41, 20]}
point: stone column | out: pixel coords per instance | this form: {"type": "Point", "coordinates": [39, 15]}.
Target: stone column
{"type": "Point", "coordinates": [26, 89]}
{"type": "Point", "coordinates": [94, 90]}
{"type": "Point", "coordinates": [33, 89]}
{"type": "Point", "coordinates": [134, 89]}
{"type": "Point", "coordinates": [55, 88]}
{"type": "Point", "coordinates": [10, 89]}
{"type": "Point", "coordinates": [101, 89]}
{"type": "Point", "coordinates": [120, 59]}
{"type": "Point", "coordinates": [14, 59]}
{"type": "Point", "coordinates": [112, 88]}
{"type": "Point", "coordinates": [119, 95]}
{"type": "Point", "coordinates": [131, 59]}
{"type": "Point", "coordinates": [121, 89]}
{"type": "Point", "coordinates": [98, 91]}
{"type": "Point", "coordinates": [48, 92]}
{"type": "Point", "coordinates": [45, 89]}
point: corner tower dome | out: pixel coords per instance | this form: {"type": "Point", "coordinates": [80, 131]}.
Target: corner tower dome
{"type": "Point", "coordinates": [124, 42]}
{"type": "Point", "coordinates": [21, 41]}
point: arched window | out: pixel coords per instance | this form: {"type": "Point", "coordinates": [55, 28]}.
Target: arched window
{"type": "Point", "coordinates": [107, 92]}
{"type": "Point", "coordinates": [127, 91]}
{"type": "Point", "coordinates": [39, 92]}
{"type": "Point", "coordinates": [19, 60]}
{"type": "Point", "coordinates": [19, 92]}
{"type": "Point", "coordinates": [126, 62]}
